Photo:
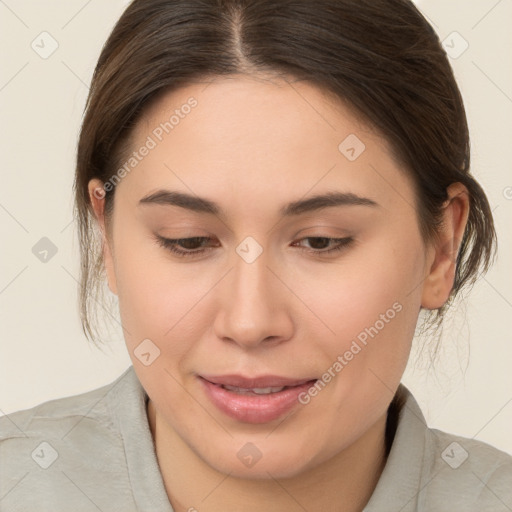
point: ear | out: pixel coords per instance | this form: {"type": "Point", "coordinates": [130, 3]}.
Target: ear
{"type": "Point", "coordinates": [442, 258]}
{"type": "Point", "coordinates": [97, 198]}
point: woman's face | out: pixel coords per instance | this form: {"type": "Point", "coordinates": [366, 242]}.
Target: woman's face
{"type": "Point", "coordinates": [265, 300]}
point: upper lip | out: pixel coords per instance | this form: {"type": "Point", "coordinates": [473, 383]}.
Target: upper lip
{"type": "Point", "coordinates": [264, 381]}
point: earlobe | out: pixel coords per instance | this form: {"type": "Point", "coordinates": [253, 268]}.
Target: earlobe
{"type": "Point", "coordinates": [97, 199]}
{"type": "Point", "coordinates": [442, 260]}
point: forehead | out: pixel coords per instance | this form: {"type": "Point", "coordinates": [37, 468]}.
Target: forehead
{"type": "Point", "coordinates": [250, 109]}
{"type": "Point", "coordinates": [260, 138]}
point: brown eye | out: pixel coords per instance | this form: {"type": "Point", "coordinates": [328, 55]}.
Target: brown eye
{"type": "Point", "coordinates": [321, 242]}
{"type": "Point", "coordinates": [185, 246]}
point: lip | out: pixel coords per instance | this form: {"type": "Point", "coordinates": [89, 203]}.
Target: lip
{"type": "Point", "coordinates": [254, 408]}
{"type": "Point", "coordinates": [265, 381]}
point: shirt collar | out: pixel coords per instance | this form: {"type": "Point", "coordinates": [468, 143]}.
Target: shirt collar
{"type": "Point", "coordinates": [400, 481]}
{"type": "Point", "coordinates": [127, 400]}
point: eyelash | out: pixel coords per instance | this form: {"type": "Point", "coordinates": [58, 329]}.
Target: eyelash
{"type": "Point", "coordinates": [171, 244]}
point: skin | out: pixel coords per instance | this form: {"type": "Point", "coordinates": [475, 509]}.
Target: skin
{"type": "Point", "coordinates": [253, 145]}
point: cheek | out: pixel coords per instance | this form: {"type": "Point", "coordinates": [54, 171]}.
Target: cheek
{"type": "Point", "coordinates": [370, 302]}
{"type": "Point", "coordinates": [156, 297]}
{"type": "Point", "coordinates": [353, 294]}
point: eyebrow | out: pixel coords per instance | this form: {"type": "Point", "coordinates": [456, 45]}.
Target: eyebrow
{"type": "Point", "coordinates": [203, 205]}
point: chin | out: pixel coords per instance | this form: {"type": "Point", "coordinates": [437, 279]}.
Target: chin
{"type": "Point", "coordinates": [274, 469]}
{"type": "Point", "coordinates": [249, 462]}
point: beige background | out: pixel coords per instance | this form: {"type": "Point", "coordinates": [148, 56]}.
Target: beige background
{"type": "Point", "coordinates": [44, 353]}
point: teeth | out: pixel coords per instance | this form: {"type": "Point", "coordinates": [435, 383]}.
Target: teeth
{"type": "Point", "coordinates": [257, 391]}
{"type": "Point", "coordinates": [264, 391]}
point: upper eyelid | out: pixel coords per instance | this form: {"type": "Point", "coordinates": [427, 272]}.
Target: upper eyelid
{"type": "Point", "coordinates": [342, 233]}
{"type": "Point", "coordinates": [206, 237]}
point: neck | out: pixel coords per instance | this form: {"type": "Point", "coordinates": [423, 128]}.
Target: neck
{"type": "Point", "coordinates": [344, 482]}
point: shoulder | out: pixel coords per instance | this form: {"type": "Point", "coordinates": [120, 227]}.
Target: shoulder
{"type": "Point", "coordinates": [61, 449]}
{"type": "Point", "coordinates": [54, 416]}
{"type": "Point", "coordinates": [429, 469]}
{"type": "Point", "coordinates": [454, 472]}
{"type": "Point", "coordinates": [470, 471]}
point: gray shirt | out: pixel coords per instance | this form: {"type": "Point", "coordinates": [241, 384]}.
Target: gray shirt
{"type": "Point", "coordinates": [94, 452]}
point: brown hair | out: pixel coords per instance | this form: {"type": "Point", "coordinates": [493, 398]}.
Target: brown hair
{"type": "Point", "coordinates": [381, 57]}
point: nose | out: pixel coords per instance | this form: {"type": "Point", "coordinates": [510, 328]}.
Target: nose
{"type": "Point", "coordinates": [254, 306]}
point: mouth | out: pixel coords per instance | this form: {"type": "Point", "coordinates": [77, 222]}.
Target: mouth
{"type": "Point", "coordinates": [254, 400]}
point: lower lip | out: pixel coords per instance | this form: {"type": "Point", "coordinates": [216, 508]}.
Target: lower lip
{"type": "Point", "coordinates": [254, 408]}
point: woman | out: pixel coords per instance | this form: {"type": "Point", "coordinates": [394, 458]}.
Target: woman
{"type": "Point", "coordinates": [275, 192]}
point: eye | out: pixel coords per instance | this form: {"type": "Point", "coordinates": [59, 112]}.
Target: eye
{"type": "Point", "coordinates": [193, 246]}
{"type": "Point", "coordinates": [323, 241]}
{"type": "Point", "coordinates": [185, 246]}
